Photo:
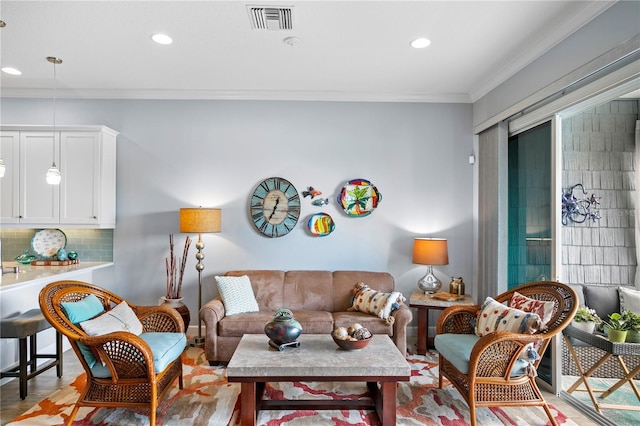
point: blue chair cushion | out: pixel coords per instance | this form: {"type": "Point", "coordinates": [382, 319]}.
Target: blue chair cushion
{"type": "Point", "coordinates": [84, 310]}
{"type": "Point", "coordinates": [165, 347]}
{"type": "Point", "coordinates": [456, 348]}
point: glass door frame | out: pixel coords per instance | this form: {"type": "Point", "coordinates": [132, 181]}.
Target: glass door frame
{"type": "Point", "coordinates": [556, 238]}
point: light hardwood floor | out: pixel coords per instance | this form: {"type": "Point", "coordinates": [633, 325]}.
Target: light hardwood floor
{"type": "Point", "coordinates": [46, 383]}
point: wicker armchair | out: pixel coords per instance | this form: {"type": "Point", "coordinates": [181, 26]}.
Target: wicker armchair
{"type": "Point", "coordinates": [490, 379]}
{"type": "Point", "coordinates": [133, 380]}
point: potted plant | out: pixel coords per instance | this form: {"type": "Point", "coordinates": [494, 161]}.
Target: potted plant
{"type": "Point", "coordinates": [585, 319]}
{"type": "Point", "coordinates": [633, 326]}
{"type": "Point", "coordinates": [617, 328]}
{"type": "Point", "coordinates": [175, 273]}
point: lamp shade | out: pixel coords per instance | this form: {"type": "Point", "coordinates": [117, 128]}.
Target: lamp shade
{"type": "Point", "coordinates": [200, 220]}
{"type": "Point", "coordinates": [430, 251]}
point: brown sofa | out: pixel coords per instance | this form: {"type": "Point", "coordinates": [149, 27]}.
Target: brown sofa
{"type": "Point", "coordinates": [318, 299]}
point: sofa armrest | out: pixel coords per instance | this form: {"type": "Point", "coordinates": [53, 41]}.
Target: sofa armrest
{"type": "Point", "coordinates": [402, 317]}
{"type": "Point", "coordinates": [211, 314]}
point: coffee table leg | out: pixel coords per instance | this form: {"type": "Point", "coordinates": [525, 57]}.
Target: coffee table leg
{"type": "Point", "coordinates": [388, 417]}
{"type": "Point", "coordinates": [248, 403]}
{"type": "Point", "coordinates": [384, 400]}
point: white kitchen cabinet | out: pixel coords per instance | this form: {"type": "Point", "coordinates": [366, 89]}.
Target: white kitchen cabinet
{"type": "Point", "coordinates": [9, 184]}
{"type": "Point", "coordinates": [86, 196]}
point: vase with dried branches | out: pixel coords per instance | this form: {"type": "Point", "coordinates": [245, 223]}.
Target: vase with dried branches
{"type": "Point", "coordinates": [175, 273]}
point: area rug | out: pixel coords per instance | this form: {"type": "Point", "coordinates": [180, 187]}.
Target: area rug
{"type": "Point", "coordinates": [208, 399]}
{"type": "Point", "coordinates": [622, 396]}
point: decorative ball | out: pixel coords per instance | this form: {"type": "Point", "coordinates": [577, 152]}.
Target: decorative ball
{"type": "Point", "coordinates": [72, 255]}
{"type": "Point", "coordinates": [353, 327]}
{"type": "Point", "coordinates": [340, 333]}
{"type": "Point", "coordinates": [362, 334]}
{"type": "Point", "coordinates": [62, 254]}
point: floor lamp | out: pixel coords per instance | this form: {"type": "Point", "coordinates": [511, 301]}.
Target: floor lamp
{"type": "Point", "coordinates": [200, 221]}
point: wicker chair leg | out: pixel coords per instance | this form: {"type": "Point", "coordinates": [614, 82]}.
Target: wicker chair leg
{"type": "Point", "coordinates": [72, 416]}
{"type": "Point", "coordinates": [548, 411]}
{"type": "Point", "coordinates": [472, 409]}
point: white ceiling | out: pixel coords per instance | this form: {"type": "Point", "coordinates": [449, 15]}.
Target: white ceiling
{"type": "Point", "coordinates": [346, 50]}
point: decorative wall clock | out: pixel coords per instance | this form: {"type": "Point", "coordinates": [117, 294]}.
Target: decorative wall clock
{"type": "Point", "coordinates": [275, 207]}
{"type": "Point", "coordinates": [359, 197]}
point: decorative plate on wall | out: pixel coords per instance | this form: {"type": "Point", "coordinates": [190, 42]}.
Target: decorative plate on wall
{"type": "Point", "coordinates": [359, 197]}
{"type": "Point", "coordinates": [321, 225]}
{"type": "Point", "coordinates": [47, 242]}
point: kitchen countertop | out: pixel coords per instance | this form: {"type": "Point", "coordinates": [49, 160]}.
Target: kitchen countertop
{"type": "Point", "coordinates": [29, 274]}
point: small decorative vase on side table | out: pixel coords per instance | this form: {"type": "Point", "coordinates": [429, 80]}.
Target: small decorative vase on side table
{"type": "Point", "coordinates": [586, 326]}
{"type": "Point", "coordinates": [181, 308]}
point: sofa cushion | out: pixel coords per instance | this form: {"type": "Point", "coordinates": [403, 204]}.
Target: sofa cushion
{"type": "Point", "coordinates": [308, 290]}
{"type": "Point", "coordinates": [246, 323]}
{"type": "Point", "coordinates": [604, 299]}
{"type": "Point", "coordinates": [237, 295]}
{"type": "Point", "coordinates": [494, 316]}
{"type": "Point", "coordinates": [629, 300]}
{"type": "Point", "coordinates": [268, 288]}
{"type": "Point", "coordinates": [314, 322]}
{"type": "Point", "coordinates": [373, 324]}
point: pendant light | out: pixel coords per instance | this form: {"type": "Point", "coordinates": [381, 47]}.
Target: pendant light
{"type": "Point", "coordinates": [53, 174]}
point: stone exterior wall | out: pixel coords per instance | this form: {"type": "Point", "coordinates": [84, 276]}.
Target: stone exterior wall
{"type": "Point", "coordinates": [598, 152]}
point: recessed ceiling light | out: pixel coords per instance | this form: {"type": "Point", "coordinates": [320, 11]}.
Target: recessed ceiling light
{"type": "Point", "coordinates": [420, 43]}
{"type": "Point", "coordinates": [161, 39]}
{"type": "Point", "coordinates": [12, 71]}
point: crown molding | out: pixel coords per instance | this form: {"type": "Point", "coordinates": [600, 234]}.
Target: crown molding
{"type": "Point", "coordinates": [162, 94]}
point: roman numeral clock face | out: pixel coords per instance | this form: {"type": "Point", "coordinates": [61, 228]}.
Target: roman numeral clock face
{"type": "Point", "coordinates": [275, 207]}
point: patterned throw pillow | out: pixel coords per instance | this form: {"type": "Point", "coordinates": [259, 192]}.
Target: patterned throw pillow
{"type": "Point", "coordinates": [524, 303]}
{"type": "Point", "coordinates": [120, 318]}
{"type": "Point", "coordinates": [376, 303]}
{"type": "Point", "coordinates": [237, 294]}
{"type": "Point", "coordinates": [495, 316]}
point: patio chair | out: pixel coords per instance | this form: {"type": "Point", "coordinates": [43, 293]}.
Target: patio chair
{"type": "Point", "coordinates": [123, 369]}
{"type": "Point", "coordinates": [493, 370]}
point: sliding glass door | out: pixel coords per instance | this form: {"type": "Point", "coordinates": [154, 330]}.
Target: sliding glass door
{"type": "Point", "coordinates": [530, 214]}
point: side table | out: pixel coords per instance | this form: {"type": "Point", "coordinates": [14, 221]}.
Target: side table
{"type": "Point", "coordinates": [425, 302]}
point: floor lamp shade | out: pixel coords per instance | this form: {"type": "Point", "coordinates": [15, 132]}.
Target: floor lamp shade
{"type": "Point", "coordinates": [430, 251]}
{"type": "Point", "coordinates": [200, 220]}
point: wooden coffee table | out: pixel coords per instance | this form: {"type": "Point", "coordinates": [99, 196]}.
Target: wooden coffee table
{"type": "Point", "coordinates": [317, 359]}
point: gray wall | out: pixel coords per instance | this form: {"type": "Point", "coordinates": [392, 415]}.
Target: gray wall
{"type": "Point", "coordinates": [174, 154]}
{"type": "Point", "coordinates": [598, 151]}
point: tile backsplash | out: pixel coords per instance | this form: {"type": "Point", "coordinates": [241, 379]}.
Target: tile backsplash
{"type": "Point", "coordinates": [92, 245]}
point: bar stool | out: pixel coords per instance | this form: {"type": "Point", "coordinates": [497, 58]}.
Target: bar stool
{"type": "Point", "coordinates": [23, 326]}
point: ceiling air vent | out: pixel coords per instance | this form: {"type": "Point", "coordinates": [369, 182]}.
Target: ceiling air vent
{"type": "Point", "coordinates": [271, 18]}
